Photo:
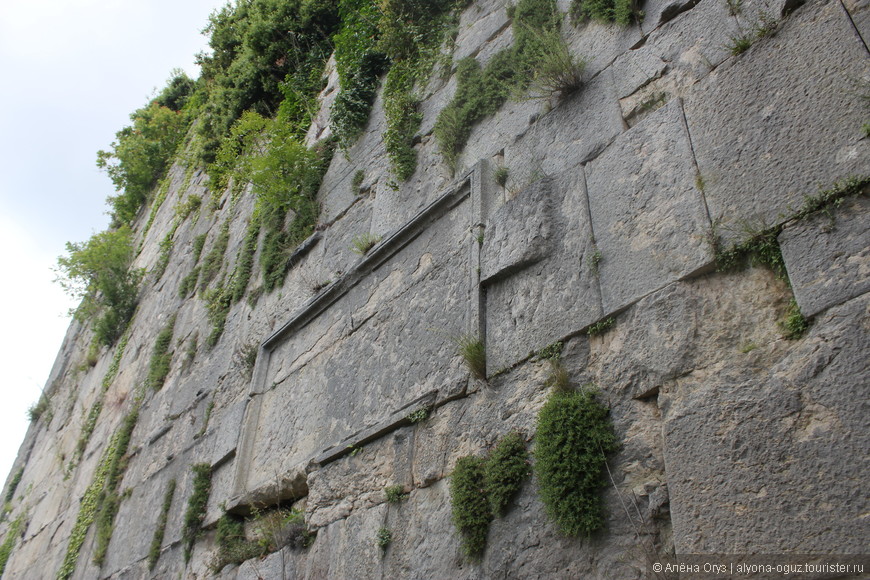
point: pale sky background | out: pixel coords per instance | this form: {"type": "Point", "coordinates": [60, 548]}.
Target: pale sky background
{"type": "Point", "coordinates": [71, 72]}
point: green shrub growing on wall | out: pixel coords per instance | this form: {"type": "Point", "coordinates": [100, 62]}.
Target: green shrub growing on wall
{"type": "Point", "coordinates": [621, 12]}
{"type": "Point", "coordinates": [233, 546]}
{"type": "Point", "coordinates": [160, 530]}
{"type": "Point", "coordinates": [267, 56]}
{"type": "Point", "coordinates": [9, 542]}
{"type": "Point", "coordinates": [42, 407]}
{"type": "Point", "coordinates": [139, 157]}
{"type": "Point", "coordinates": [505, 469]}
{"type": "Point", "coordinates": [109, 499]}
{"type": "Point", "coordinates": [161, 357]}
{"type": "Point", "coordinates": [359, 64]}
{"type": "Point", "coordinates": [573, 439]}
{"type": "Point", "coordinates": [245, 260]}
{"type": "Point", "coordinates": [411, 33]}
{"type": "Point", "coordinates": [470, 506]}
{"type": "Point", "coordinates": [13, 485]}
{"type": "Point", "coordinates": [196, 507]}
{"type": "Point", "coordinates": [538, 53]}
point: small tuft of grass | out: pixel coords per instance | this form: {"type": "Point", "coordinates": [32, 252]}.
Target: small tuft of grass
{"type": "Point", "coordinates": [550, 352]}
{"type": "Point", "coordinates": [748, 346]}
{"type": "Point", "coordinates": [357, 181]}
{"type": "Point", "coordinates": [594, 260]}
{"type": "Point", "coordinates": [501, 175]}
{"type": "Point", "coordinates": [395, 494]}
{"type": "Point", "coordinates": [794, 325]}
{"type": "Point", "coordinates": [739, 44]}
{"type": "Point", "coordinates": [473, 352]}
{"type": "Point", "coordinates": [249, 358]}
{"type": "Point", "coordinates": [601, 326]}
{"type": "Point", "coordinates": [362, 243]}
{"type": "Point", "coordinates": [419, 415]}
{"type": "Point", "coordinates": [558, 376]}
{"type": "Point", "coordinates": [735, 7]}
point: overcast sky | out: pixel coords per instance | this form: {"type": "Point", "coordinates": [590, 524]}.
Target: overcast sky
{"type": "Point", "coordinates": [72, 72]}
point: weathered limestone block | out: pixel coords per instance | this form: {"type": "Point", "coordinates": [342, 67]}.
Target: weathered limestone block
{"type": "Point", "coordinates": [519, 234]}
{"type": "Point", "coordinates": [493, 134]}
{"type": "Point", "coordinates": [828, 257]}
{"type": "Point", "coordinates": [554, 298]}
{"type": "Point", "coordinates": [478, 27]}
{"type": "Point", "coordinates": [224, 428]}
{"type": "Point", "coordinates": [772, 125]}
{"type": "Point", "coordinates": [648, 218]}
{"type": "Point", "coordinates": [859, 12]}
{"type": "Point", "coordinates": [674, 57]}
{"type": "Point", "coordinates": [136, 521]}
{"type": "Point", "coordinates": [686, 326]}
{"type": "Point", "coordinates": [658, 12]}
{"type": "Point", "coordinates": [367, 154]}
{"type": "Point", "coordinates": [772, 446]}
{"type": "Point", "coordinates": [634, 69]}
{"type": "Point", "coordinates": [598, 44]}
{"type": "Point", "coordinates": [575, 131]}
{"type": "Point", "coordinates": [357, 481]}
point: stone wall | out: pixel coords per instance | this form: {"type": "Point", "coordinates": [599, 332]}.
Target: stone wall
{"type": "Point", "coordinates": [733, 439]}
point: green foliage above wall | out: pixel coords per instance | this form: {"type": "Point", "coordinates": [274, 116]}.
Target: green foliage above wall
{"type": "Point", "coordinates": [359, 63]}
{"type": "Point", "coordinates": [140, 155]}
{"type": "Point", "coordinates": [98, 271]}
{"type": "Point", "coordinates": [266, 56]}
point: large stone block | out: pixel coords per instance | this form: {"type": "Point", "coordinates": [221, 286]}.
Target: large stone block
{"type": "Point", "coordinates": [519, 233]}
{"type": "Point", "coordinates": [772, 124]}
{"type": "Point", "coordinates": [859, 12]}
{"type": "Point", "coordinates": [775, 447]}
{"type": "Point", "coordinates": [648, 218]}
{"type": "Point", "coordinates": [828, 256]}
{"type": "Point", "coordinates": [552, 297]}
{"type": "Point", "coordinates": [573, 132]}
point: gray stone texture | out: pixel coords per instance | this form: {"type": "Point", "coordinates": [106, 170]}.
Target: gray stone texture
{"type": "Point", "coordinates": [395, 321]}
{"type": "Point", "coordinates": [768, 446]}
{"type": "Point", "coordinates": [648, 218]}
{"type": "Point", "coordinates": [574, 132]}
{"type": "Point", "coordinates": [828, 256]}
{"type": "Point", "coordinates": [555, 294]}
{"type": "Point", "coordinates": [761, 143]}
{"type": "Point", "coordinates": [732, 438]}
{"type": "Point", "coordinates": [859, 13]}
